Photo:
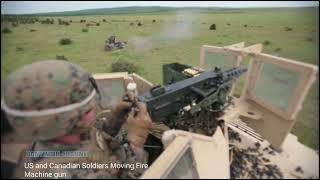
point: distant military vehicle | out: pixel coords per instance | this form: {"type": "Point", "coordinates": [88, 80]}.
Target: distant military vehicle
{"type": "Point", "coordinates": [111, 44]}
{"type": "Point", "coordinates": [252, 138]}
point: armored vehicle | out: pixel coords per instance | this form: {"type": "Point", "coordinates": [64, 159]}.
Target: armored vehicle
{"type": "Point", "coordinates": [111, 44]}
{"type": "Point", "coordinates": [254, 139]}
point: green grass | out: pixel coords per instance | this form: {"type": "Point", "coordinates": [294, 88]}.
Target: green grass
{"type": "Point", "coordinates": [153, 44]}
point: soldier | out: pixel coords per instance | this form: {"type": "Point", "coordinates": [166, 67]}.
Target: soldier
{"type": "Point", "coordinates": [111, 39]}
{"type": "Point", "coordinates": [52, 105]}
{"type": "Point", "coordinates": [108, 47]}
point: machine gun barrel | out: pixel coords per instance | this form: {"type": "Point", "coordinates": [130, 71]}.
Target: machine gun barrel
{"type": "Point", "coordinates": [168, 100]}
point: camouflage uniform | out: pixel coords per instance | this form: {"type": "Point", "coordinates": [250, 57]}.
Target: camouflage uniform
{"type": "Point", "coordinates": [46, 100]}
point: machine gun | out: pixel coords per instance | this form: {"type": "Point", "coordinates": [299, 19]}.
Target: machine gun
{"type": "Point", "coordinates": [202, 97]}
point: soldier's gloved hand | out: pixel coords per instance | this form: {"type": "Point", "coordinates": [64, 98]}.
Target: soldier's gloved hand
{"type": "Point", "coordinates": [119, 115]}
{"type": "Point", "coordinates": [139, 124]}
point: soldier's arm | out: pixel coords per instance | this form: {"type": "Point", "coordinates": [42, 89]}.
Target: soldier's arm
{"type": "Point", "coordinates": [119, 115]}
{"type": "Point", "coordinates": [139, 124]}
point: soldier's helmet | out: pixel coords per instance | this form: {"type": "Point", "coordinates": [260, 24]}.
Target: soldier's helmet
{"type": "Point", "coordinates": [45, 99]}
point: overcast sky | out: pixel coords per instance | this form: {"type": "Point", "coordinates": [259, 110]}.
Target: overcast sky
{"type": "Point", "coordinates": [25, 7]}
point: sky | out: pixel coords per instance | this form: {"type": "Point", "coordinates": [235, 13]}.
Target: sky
{"type": "Point", "coordinates": [27, 7]}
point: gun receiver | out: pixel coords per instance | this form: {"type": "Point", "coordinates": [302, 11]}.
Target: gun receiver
{"type": "Point", "coordinates": [207, 91]}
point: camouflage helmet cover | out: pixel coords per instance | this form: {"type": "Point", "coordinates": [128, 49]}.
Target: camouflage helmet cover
{"type": "Point", "coordinates": [47, 86]}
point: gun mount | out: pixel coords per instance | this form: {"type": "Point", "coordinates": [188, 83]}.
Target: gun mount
{"type": "Point", "coordinates": [201, 96]}
{"type": "Point", "coordinates": [207, 91]}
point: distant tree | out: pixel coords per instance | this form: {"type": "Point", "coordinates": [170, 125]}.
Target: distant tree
{"type": "Point", "coordinates": [15, 24]}
{"type": "Point", "coordinates": [19, 49]}
{"type": "Point", "coordinates": [288, 28]}
{"type": "Point", "coordinates": [309, 39]}
{"type": "Point", "coordinates": [61, 57]}
{"type": "Point", "coordinates": [6, 30]}
{"type": "Point", "coordinates": [266, 42]}
{"type": "Point", "coordinates": [277, 50]}
{"type": "Point", "coordinates": [124, 66]}
{"type": "Point", "coordinates": [65, 41]}
{"type": "Point", "coordinates": [213, 27]}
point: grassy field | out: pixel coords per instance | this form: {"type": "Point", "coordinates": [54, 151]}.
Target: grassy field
{"type": "Point", "coordinates": [174, 37]}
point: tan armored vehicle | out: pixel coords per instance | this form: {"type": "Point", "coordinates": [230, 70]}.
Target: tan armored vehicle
{"type": "Point", "coordinates": [255, 142]}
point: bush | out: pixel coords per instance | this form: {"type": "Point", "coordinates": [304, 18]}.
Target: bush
{"type": "Point", "coordinates": [124, 66]}
{"type": "Point", "coordinates": [245, 25]}
{"type": "Point", "coordinates": [65, 41]}
{"type": "Point", "coordinates": [309, 39]}
{"type": "Point", "coordinates": [266, 42]}
{"type": "Point", "coordinates": [288, 28]}
{"type": "Point", "coordinates": [6, 30]}
{"type": "Point", "coordinates": [62, 22]}
{"type": "Point", "coordinates": [61, 57]}
{"type": "Point", "coordinates": [48, 21]}
{"type": "Point", "coordinates": [277, 50]}
{"type": "Point", "coordinates": [84, 30]}
{"type": "Point", "coordinates": [213, 27]}
{"type": "Point", "coordinates": [32, 30]}
{"type": "Point", "coordinates": [153, 20]}
{"type": "Point", "coordinates": [103, 20]}
{"type": "Point", "coordinates": [131, 24]}
{"type": "Point", "coordinates": [98, 24]}
{"type": "Point", "coordinates": [139, 24]}
{"type": "Point", "coordinates": [228, 24]}
{"type": "Point", "coordinates": [19, 49]}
